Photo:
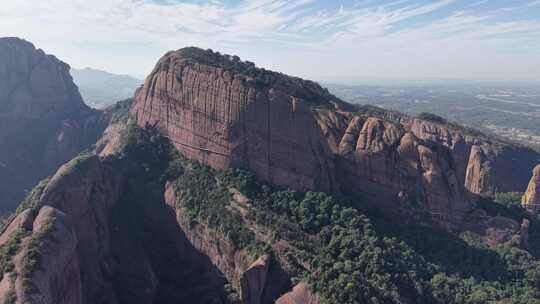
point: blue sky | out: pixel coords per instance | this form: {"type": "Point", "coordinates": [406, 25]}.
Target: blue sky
{"type": "Point", "coordinates": [476, 39]}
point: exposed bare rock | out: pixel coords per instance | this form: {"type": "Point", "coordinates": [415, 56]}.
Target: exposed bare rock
{"type": "Point", "coordinates": [458, 143]}
{"type": "Point", "coordinates": [71, 226]}
{"type": "Point", "coordinates": [259, 280]}
{"type": "Point", "coordinates": [231, 261]}
{"type": "Point", "coordinates": [377, 135]}
{"type": "Point", "coordinates": [23, 220]}
{"type": "Point", "coordinates": [227, 119]}
{"type": "Point", "coordinates": [299, 295]}
{"type": "Point", "coordinates": [110, 142]}
{"type": "Point", "coordinates": [482, 164]}
{"type": "Point", "coordinates": [43, 119]}
{"type": "Point", "coordinates": [477, 179]}
{"type": "Point", "coordinates": [531, 198]}
{"type": "Point", "coordinates": [253, 281]}
{"type": "Point", "coordinates": [333, 125]}
{"type": "Point", "coordinates": [349, 139]}
{"type": "Point", "coordinates": [57, 280]}
{"type": "Point", "coordinates": [296, 134]}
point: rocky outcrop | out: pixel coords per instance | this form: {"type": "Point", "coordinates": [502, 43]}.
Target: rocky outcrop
{"type": "Point", "coordinates": [227, 119]}
{"type": "Point", "coordinates": [253, 281]}
{"type": "Point", "coordinates": [65, 255]}
{"type": "Point", "coordinates": [82, 239]}
{"type": "Point", "coordinates": [531, 198]}
{"type": "Point", "coordinates": [259, 281]}
{"type": "Point", "coordinates": [291, 132]}
{"type": "Point", "coordinates": [43, 119]}
{"type": "Point", "coordinates": [227, 113]}
{"type": "Point", "coordinates": [299, 295]}
{"type": "Point", "coordinates": [484, 165]}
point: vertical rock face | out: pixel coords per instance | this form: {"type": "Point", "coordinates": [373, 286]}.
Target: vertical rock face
{"type": "Point", "coordinates": [65, 254]}
{"type": "Point", "coordinates": [291, 132]}
{"type": "Point", "coordinates": [225, 118]}
{"type": "Point", "coordinates": [482, 164]}
{"type": "Point", "coordinates": [43, 119]}
{"type": "Point", "coordinates": [299, 295]}
{"type": "Point", "coordinates": [531, 198]}
{"type": "Point", "coordinates": [253, 281]}
{"type": "Point", "coordinates": [477, 178]}
{"type": "Point", "coordinates": [78, 241]}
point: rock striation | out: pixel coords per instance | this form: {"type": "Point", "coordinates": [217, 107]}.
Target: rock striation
{"type": "Point", "coordinates": [64, 256]}
{"type": "Point", "coordinates": [531, 198]}
{"type": "Point", "coordinates": [43, 119]}
{"type": "Point", "coordinates": [116, 226]}
{"type": "Point", "coordinates": [227, 119]}
{"type": "Point", "coordinates": [77, 241]}
{"type": "Point", "coordinates": [291, 132]}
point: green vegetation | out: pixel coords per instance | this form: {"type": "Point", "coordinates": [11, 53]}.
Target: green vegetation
{"type": "Point", "coordinates": [345, 256]}
{"type": "Point", "coordinates": [206, 200]}
{"type": "Point", "coordinates": [508, 198]}
{"type": "Point", "coordinates": [143, 240]}
{"type": "Point", "coordinates": [119, 112]}
{"type": "Point", "coordinates": [354, 261]}
{"type": "Point", "coordinates": [259, 77]}
{"type": "Point", "coordinates": [32, 199]}
{"type": "Point", "coordinates": [10, 249]}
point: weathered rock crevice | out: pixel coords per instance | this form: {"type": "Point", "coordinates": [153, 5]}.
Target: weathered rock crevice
{"type": "Point", "coordinates": [226, 118]}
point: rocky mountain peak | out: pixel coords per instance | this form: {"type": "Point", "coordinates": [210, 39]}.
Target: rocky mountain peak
{"type": "Point", "coordinates": [33, 83]}
{"type": "Point", "coordinates": [43, 119]}
{"type": "Point", "coordinates": [249, 74]}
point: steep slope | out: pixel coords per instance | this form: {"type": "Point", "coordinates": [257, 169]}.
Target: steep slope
{"type": "Point", "coordinates": [531, 198]}
{"type": "Point", "coordinates": [290, 132]}
{"type": "Point", "coordinates": [158, 213]}
{"type": "Point", "coordinates": [89, 235]}
{"type": "Point", "coordinates": [43, 120]}
{"type": "Point", "coordinates": [139, 223]}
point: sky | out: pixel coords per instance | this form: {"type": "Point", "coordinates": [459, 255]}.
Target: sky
{"type": "Point", "coordinates": [317, 39]}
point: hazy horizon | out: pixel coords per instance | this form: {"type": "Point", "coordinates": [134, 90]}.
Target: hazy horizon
{"type": "Point", "coordinates": [476, 40]}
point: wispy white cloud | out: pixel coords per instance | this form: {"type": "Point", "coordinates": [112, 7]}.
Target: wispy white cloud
{"type": "Point", "coordinates": [299, 36]}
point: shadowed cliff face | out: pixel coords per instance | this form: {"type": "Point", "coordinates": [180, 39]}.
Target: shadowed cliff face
{"type": "Point", "coordinates": [227, 113]}
{"type": "Point", "coordinates": [43, 119]}
{"type": "Point", "coordinates": [106, 229]}
{"type": "Point", "coordinates": [135, 222]}
{"type": "Point", "coordinates": [92, 234]}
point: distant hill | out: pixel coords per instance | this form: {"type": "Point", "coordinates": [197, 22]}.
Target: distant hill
{"type": "Point", "coordinates": [101, 89]}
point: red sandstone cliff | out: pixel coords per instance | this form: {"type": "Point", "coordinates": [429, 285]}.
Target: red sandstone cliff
{"type": "Point", "coordinates": [227, 113]}
{"type": "Point", "coordinates": [531, 198]}
{"type": "Point", "coordinates": [66, 232]}
{"type": "Point", "coordinates": [43, 119]}
{"type": "Point", "coordinates": [222, 118]}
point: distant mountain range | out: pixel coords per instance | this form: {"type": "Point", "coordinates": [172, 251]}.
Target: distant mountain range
{"type": "Point", "coordinates": [100, 89]}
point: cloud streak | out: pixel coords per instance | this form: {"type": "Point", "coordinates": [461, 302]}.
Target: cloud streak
{"type": "Point", "coordinates": [350, 38]}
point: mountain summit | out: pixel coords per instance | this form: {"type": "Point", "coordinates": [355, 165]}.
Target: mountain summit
{"type": "Point", "coordinates": [291, 132]}
{"type": "Point", "coordinates": [43, 119]}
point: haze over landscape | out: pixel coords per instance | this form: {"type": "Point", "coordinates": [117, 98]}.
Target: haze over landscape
{"type": "Point", "coordinates": [269, 152]}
